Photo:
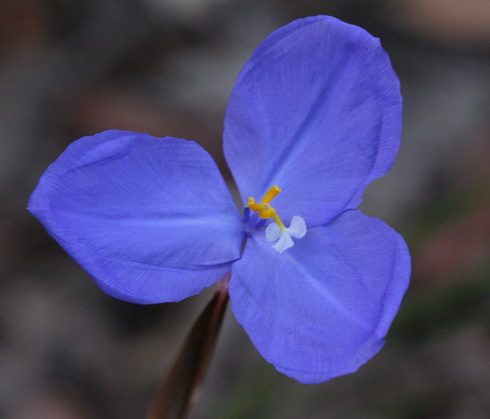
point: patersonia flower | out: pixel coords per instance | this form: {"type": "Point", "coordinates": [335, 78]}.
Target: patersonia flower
{"type": "Point", "coordinates": [314, 117]}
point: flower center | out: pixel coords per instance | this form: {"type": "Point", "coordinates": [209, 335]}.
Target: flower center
{"type": "Point", "coordinates": [276, 231]}
{"type": "Point", "coordinates": [264, 209]}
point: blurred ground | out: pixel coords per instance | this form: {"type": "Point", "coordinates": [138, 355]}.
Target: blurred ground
{"type": "Point", "coordinates": [166, 67]}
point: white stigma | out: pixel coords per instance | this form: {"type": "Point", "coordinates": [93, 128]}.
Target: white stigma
{"type": "Point", "coordinates": [297, 229]}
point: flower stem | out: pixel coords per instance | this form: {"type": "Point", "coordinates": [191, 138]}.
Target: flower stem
{"type": "Point", "coordinates": [179, 390]}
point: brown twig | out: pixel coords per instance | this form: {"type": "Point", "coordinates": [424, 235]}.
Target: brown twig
{"type": "Point", "coordinates": [180, 388]}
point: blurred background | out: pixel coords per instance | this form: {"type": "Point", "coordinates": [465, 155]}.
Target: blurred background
{"type": "Point", "coordinates": [167, 67]}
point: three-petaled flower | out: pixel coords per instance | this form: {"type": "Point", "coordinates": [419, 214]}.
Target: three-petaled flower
{"type": "Point", "coordinates": [316, 114]}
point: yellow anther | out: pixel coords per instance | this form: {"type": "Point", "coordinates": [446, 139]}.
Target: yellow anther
{"type": "Point", "coordinates": [264, 209]}
{"type": "Point", "coordinates": [271, 194]}
{"type": "Point", "coordinates": [253, 205]}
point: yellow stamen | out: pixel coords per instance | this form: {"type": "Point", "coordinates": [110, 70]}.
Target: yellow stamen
{"type": "Point", "coordinates": [278, 220]}
{"type": "Point", "coordinates": [253, 205]}
{"type": "Point", "coordinates": [271, 194]}
{"type": "Point", "coordinates": [264, 209]}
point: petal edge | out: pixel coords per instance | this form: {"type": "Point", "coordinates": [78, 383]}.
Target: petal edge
{"type": "Point", "coordinates": [150, 219]}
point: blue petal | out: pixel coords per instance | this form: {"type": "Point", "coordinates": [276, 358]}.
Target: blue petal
{"type": "Point", "coordinates": [317, 112]}
{"type": "Point", "coordinates": [149, 218]}
{"type": "Point", "coordinates": [323, 307]}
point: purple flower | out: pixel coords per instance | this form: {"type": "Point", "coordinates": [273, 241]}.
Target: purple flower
{"type": "Point", "coordinates": [316, 114]}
